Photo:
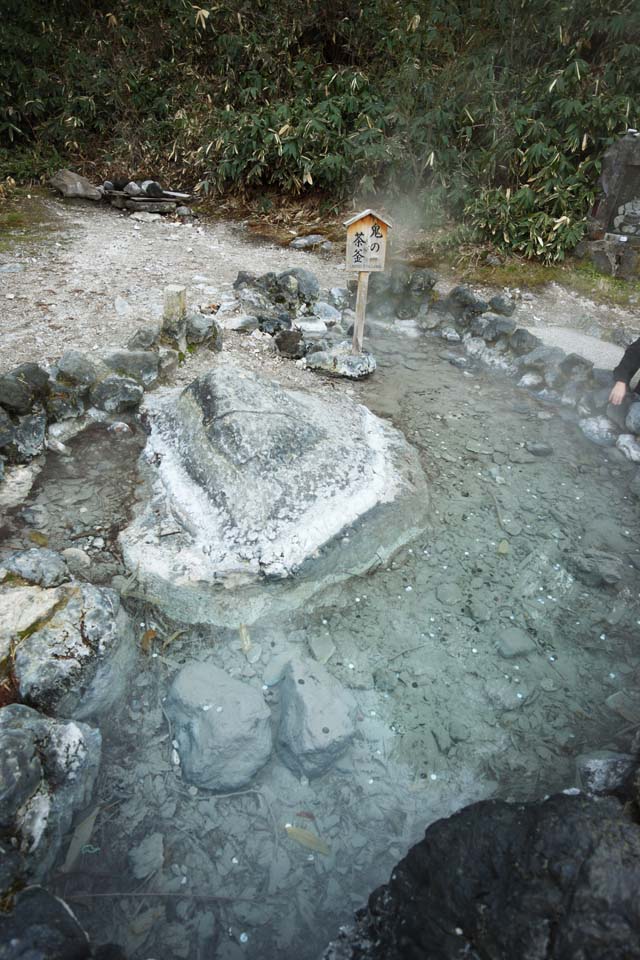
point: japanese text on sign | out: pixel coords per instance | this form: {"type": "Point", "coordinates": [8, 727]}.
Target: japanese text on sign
{"type": "Point", "coordinates": [366, 245]}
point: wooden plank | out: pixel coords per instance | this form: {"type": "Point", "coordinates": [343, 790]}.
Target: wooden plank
{"type": "Point", "coordinates": [361, 305]}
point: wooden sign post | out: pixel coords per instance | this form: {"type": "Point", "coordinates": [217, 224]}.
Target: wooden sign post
{"type": "Point", "coordinates": [366, 252]}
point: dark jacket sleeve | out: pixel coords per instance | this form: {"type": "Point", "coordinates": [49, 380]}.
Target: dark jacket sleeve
{"type": "Point", "coordinates": [629, 364]}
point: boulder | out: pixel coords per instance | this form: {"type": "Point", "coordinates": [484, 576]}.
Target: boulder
{"type": "Point", "coordinates": [204, 328]}
{"type": "Point", "coordinates": [221, 725]}
{"type": "Point", "coordinates": [339, 361]}
{"type": "Point", "coordinates": [324, 311]}
{"type": "Point", "coordinates": [556, 880]}
{"type": "Point", "coordinates": [65, 402]}
{"type": "Point", "coordinates": [522, 341]}
{"type": "Point", "coordinates": [541, 358]}
{"type": "Point", "coordinates": [16, 395]}
{"type": "Point", "coordinates": [503, 305]}
{"type": "Point", "coordinates": [632, 421]}
{"type": "Point", "coordinates": [308, 243]}
{"type": "Point", "coordinates": [603, 771]}
{"type": "Point", "coordinates": [145, 337]}
{"type": "Point", "coordinates": [168, 363]}
{"type": "Point", "coordinates": [115, 394]}
{"type": "Point", "coordinates": [140, 365]}
{"type": "Point", "coordinates": [317, 721]}
{"type": "Point", "coordinates": [26, 439]}
{"type": "Point", "coordinates": [76, 662]}
{"type": "Point", "coordinates": [464, 304]}
{"type": "Point", "coordinates": [21, 609]}
{"type": "Point", "coordinates": [495, 327]}
{"type": "Point", "coordinates": [290, 344]}
{"type": "Point", "coordinates": [308, 286]}
{"type": "Point", "coordinates": [599, 430]}
{"type": "Point", "coordinates": [47, 770]}
{"type": "Point", "coordinates": [71, 184]}
{"type": "Point", "coordinates": [46, 568]}
{"type": "Point", "coordinates": [629, 445]}
{"type": "Point", "coordinates": [76, 368]}
{"type": "Point", "coordinates": [256, 481]}
{"type": "Point", "coordinates": [242, 323]}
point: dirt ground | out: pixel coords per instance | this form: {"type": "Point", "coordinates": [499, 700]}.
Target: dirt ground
{"type": "Point", "coordinates": [76, 274]}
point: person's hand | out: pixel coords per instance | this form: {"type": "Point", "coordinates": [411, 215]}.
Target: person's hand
{"type": "Point", "coordinates": [618, 393]}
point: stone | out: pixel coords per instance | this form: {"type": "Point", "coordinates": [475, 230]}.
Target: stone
{"type": "Point", "coordinates": [522, 341]}
{"type": "Point", "coordinates": [65, 402]}
{"type": "Point", "coordinates": [43, 927]}
{"type": "Point", "coordinates": [21, 609]}
{"type": "Point", "coordinates": [629, 445]}
{"type": "Point", "coordinates": [339, 361]}
{"type": "Point", "coordinates": [71, 184]}
{"type": "Point", "coordinates": [76, 662]}
{"type": "Point", "coordinates": [222, 727]}
{"type": "Point", "coordinates": [258, 481]}
{"type": "Point", "coordinates": [463, 303]}
{"type": "Point", "coordinates": [317, 721]}
{"type": "Point", "coordinates": [46, 568]}
{"type": "Point", "coordinates": [151, 188]}
{"type": "Point", "coordinates": [456, 894]}
{"type": "Point", "coordinates": [140, 365]}
{"type": "Point", "coordinates": [599, 430]}
{"type": "Point", "coordinates": [542, 359]}
{"type": "Point", "coordinates": [603, 771]}
{"type": "Point", "coordinates": [322, 647]}
{"type": "Point", "coordinates": [272, 323]}
{"type": "Point", "coordinates": [115, 394]}
{"type": "Point", "coordinates": [185, 213]}
{"type": "Point", "coordinates": [16, 396]}
{"type": "Point", "coordinates": [459, 731]}
{"type": "Point", "coordinates": [324, 311]}
{"type": "Point", "coordinates": [503, 305]}
{"type": "Point", "coordinates": [77, 560]}
{"type": "Point", "coordinates": [242, 323]}
{"type": "Point", "coordinates": [449, 593]}
{"type": "Point", "coordinates": [47, 769]}
{"type": "Point", "coordinates": [307, 243]}
{"type": "Point", "coordinates": [174, 315]}
{"type": "Point", "coordinates": [76, 368]}
{"type": "Point", "coordinates": [339, 297]}
{"type": "Point", "coordinates": [514, 642]}
{"type": "Point", "coordinates": [27, 439]}
{"type": "Point", "coordinates": [168, 363]}
{"type": "Point", "coordinates": [576, 367]}
{"type": "Point", "coordinates": [450, 334]}
{"type": "Point", "coordinates": [312, 326]}
{"type": "Point", "coordinates": [385, 680]}
{"type": "Point", "coordinates": [308, 286]}
{"type": "Point", "coordinates": [290, 344]}
{"type": "Point", "coordinates": [497, 327]}
{"type": "Point", "coordinates": [133, 189]}
{"type": "Point", "coordinates": [203, 328]}
{"type": "Point", "coordinates": [632, 421]}
{"type": "Point", "coordinates": [145, 337]}
{"type": "Point", "coordinates": [147, 857]}
{"type": "Point", "coordinates": [539, 449]}
{"type": "Point", "coordinates": [596, 568]}
{"type": "Point", "coordinates": [143, 216]}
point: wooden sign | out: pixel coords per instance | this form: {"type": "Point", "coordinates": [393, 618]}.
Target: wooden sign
{"type": "Point", "coordinates": [366, 253]}
{"type": "Point", "coordinates": [366, 241]}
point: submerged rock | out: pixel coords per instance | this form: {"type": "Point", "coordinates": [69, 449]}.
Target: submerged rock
{"type": "Point", "coordinates": [458, 894]}
{"type": "Point", "coordinates": [252, 482]}
{"type": "Point", "coordinates": [77, 661]}
{"type": "Point", "coordinates": [318, 718]}
{"type": "Point", "coordinates": [599, 430]}
{"type": "Point", "coordinates": [604, 770]}
{"type": "Point", "coordinates": [47, 771]}
{"type": "Point", "coordinates": [221, 725]}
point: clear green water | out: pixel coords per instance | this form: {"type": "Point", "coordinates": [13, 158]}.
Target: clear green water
{"type": "Point", "coordinates": [443, 718]}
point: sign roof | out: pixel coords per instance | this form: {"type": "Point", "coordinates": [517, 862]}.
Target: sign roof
{"type": "Point", "coordinates": [367, 213]}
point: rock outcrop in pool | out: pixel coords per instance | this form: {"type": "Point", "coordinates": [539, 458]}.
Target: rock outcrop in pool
{"type": "Point", "coordinates": [252, 482]}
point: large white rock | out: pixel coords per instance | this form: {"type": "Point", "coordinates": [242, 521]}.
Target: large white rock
{"type": "Point", "coordinates": [252, 483]}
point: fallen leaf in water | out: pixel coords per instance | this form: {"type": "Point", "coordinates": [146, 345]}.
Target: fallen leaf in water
{"type": "Point", "coordinates": [170, 639]}
{"type": "Point", "coordinates": [81, 835]}
{"type": "Point", "coordinates": [147, 639]}
{"type": "Point", "coordinates": [245, 639]}
{"type": "Point", "coordinates": [306, 814]}
{"type": "Point", "coordinates": [307, 839]}
{"type": "Point", "coordinates": [38, 538]}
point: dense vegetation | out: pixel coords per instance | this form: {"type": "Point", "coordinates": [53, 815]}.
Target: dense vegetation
{"type": "Point", "coordinates": [498, 109]}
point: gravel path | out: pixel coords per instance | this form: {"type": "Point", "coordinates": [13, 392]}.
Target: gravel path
{"type": "Point", "coordinates": [95, 274]}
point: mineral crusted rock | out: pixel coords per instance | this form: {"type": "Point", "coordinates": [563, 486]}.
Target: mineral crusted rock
{"type": "Point", "coordinates": [140, 365]}
{"type": "Point", "coordinates": [76, 662]}
{"type": "Point", "coordinates": [47, 770]}
{"type": "Point", "coordinates": [633, 418]}
{"type": "Point", "coordinates": [318, 718]}
{"type": "Point", "coordinates": [222, 727]}
{"type": "Point", "coordinates": [602, 771]}
{"type": "Point", "coordinates": [115, 394]}
{"type": "Point", "coordinates": [256, 482]}
{"type": "Point", "coordinates": [339, 361]}
{"type": "Point", "coordinates": [37, 565]}
{"type": "Point", "coordinates": [599, 430]}
{"type": "Point", "coordinates": [630, 446]}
